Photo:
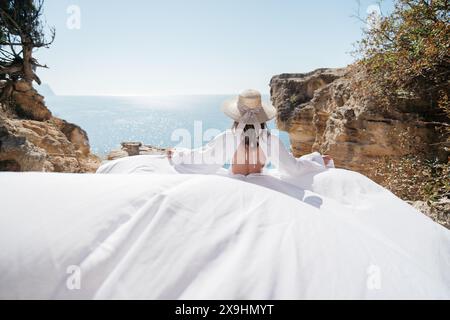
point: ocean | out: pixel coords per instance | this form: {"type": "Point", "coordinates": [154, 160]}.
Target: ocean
{"type": "Point", "coordinates": [162, 121]}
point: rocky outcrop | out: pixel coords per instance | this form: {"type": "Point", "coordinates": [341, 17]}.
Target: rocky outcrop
{"type": "Point", "coordinates": [323, 112]}
{"type": "Point", "coordinates": [129, 149]}
{"type": "Point", "coordinates": [31, 139]}
{"type": "Point", "coordinates": [29, 104]}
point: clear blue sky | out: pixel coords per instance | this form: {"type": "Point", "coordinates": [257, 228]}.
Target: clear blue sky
{"type": "Point", "coordinates": [147, 47]}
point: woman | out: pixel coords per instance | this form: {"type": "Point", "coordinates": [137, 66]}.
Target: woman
{"type": "Point", "coordinates": [248, 146]}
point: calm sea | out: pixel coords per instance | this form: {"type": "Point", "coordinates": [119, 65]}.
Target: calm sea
{"type": "Point", "coordinates": [152, 120]}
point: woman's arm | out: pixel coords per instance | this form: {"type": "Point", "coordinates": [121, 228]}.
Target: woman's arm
{"type": "Point", "coordinates": [205, 160]}
{"type": "Point", "coordinates": [287, 164]}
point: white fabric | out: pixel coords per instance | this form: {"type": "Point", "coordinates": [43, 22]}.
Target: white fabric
{"type": "Point", "coordinates": [157, 234]}
{"type": "Point", "coordinates": [211, 157]}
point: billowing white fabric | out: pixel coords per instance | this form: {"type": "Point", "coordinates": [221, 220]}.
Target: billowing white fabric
{"type": "Point", "coordinates": [146, 232]}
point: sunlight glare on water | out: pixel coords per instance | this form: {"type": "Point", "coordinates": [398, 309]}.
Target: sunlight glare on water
{"type": "Point", "coordinates": [111, 120]}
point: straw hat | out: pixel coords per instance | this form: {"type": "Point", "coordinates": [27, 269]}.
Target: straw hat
{"type": "Point", "coordinates": [248, 108]}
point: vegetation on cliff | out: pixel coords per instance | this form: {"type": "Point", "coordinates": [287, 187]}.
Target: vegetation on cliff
{"type": "Point", "coordinates": [386, 115]}
{"type": "Point", "coordinates": [22, 30]}
{"type": "Point", "coordinates": [406, 53]}
{"type": "Point", "coordinates": [406, 57]}
{"type": "Point", "coordinates": [31, 139]}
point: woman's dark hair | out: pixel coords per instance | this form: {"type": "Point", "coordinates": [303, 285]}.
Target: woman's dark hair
{"type": "Point", "coordinates": [247, 128]}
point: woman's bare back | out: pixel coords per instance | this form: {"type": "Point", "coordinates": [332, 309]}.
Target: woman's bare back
{"type": "Point", "coordinates": [248, 160]}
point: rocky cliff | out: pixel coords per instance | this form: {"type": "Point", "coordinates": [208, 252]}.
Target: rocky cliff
{"type": "Point", "coordinates": [31, 139]}
{"type": "Point", "coordinates": [399, 146]}
{"type": "Point", "coordinates": [323, 112]}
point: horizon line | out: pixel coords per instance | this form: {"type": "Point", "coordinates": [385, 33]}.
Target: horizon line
{"type": "Point", "coordinates": [148, 95]}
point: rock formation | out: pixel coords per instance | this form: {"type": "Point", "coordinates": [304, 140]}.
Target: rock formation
{"type": "Point", "coordinates": [396, 145]}
{"type": "Point", "coordinates": [31, 139]}
{"type": "Point", "coordinates": [322, 112]}
{"type": "Point", "coordinates": [129, 149]}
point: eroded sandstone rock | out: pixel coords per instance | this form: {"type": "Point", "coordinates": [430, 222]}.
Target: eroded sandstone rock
{"type": "Point", "coordinates": [129, 149]}
{"type": "Point", "coordinates": [41, 146]}
{"type": "Point", "coordinates": [29, 103]}
{"type": "Point", "coordinates": [322, 112]}
{"type": "Point", "coordinates": [31, 139]}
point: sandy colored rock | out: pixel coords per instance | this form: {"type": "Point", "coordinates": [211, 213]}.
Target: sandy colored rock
{"type": "Point", "coordinates": [41, 146]}
{"type": "Point", "coordinates": [28, 103]}
{"type": "Point", "coordinates": [321, 112]}
{"type": "Point", "coordinates": [132, 148]}
{"type": "Point", "coordinates": [32, 140]}
{"type": "Point", "coordinates": [129, 149]}
{"type": "Point", "coordinates": [74, 134]}
{"type": "Point", "coordinates": [117, 154]}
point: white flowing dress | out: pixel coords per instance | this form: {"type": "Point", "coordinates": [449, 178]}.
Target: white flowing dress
{"type": "Point", "coordinates": [211, 158]}
{"type": "Point", "coordinates": [142, 230]}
